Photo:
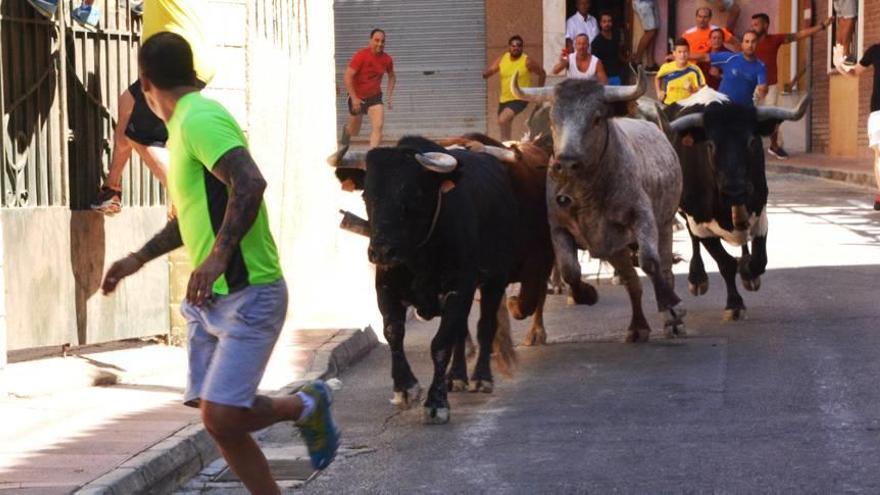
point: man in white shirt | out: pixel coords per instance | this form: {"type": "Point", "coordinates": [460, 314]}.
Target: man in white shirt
{"type": "Point", "coordinates": [580, 23]}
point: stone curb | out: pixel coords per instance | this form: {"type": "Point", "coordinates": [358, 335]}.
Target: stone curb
{"type": "Point", "coordinates": [165, 466]}
{"type": "Point", "coordinates": [864, 179]}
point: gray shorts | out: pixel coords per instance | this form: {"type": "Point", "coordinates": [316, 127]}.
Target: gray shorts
{"type": "Point", "coordinates": [648, 13]}
{"type": "Point", "coordinates": [845, 8]}
{"type": "Point", "coordinates": [230, 340]}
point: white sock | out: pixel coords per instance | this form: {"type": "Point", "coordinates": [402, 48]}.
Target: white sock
{"type": "Point", "coordinates": [308, 405]}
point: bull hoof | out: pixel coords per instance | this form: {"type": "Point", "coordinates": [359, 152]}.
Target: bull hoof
{"type": "Point", "coordinates": [457, 385]}
{"type": "Point", "coordinates": [584, 293]}
{"type": "Point", "coordinates": [436, 415]}
{"type": "Point", "coordinates": [513, 308]}
{"type": "Point", "coordinates": [535, 338]}
{"type": "Point", "coordinates": [699, 288]}
{"type": "Point", "coordinates": [484, 386]}
{"type": "Point", "coordinates": [673, 322]}
{"type": "Point", "coordinates": [735, 314]}
{"type": "Point", "coordinates": [634, 335]}
{"type": "Point", "coordinates": [408, 397]}
{"type": "Point", "coordinates": [752, 284]}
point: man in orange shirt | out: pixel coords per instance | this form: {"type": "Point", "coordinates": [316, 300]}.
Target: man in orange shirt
{"type": "Point", "coordinates": [363, 80]}
{"type": "Point", "coordinates": [698, 36]}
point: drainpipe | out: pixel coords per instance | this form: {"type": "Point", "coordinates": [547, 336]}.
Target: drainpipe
{"type": "Point", "coordinates": [810, 14]}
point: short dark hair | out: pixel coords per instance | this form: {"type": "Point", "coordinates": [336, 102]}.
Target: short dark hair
{"type": "Point", "coordinates": [516, 37]}
{"type": "Point", "coordinates": [608, 13]}
{"type": "Point", "coordinates": [681, 42]}
{"type": "Point", "coordinates": [750, 31]}
{"type": "Point", "coordinates": [764, 17]}
{"type": "Point", "coordinates": [166, 59]}
{"type": "Point", "coordinates": [717, 30]}
{"type": "Point", "coordinates": [707, 9]}
{"type": "Point", "coordinates": [377, 30]}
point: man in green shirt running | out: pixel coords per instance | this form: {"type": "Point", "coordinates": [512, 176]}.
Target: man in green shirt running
{"type": "Point", "coordinates": [236, 299]}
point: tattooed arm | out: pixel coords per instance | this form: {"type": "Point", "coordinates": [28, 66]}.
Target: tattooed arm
{"type": "Point", "coordinates": [167, 240]}
{"type": "Point", "coordinates": [237, 170]}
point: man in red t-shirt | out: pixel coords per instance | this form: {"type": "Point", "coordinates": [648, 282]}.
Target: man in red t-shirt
{"type": "Point", "coordinates": [363, 80]}
{"type": "Point", "coordinates": [767, 52]}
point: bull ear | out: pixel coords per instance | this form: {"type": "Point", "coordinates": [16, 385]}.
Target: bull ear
{"type": "Point", "coordinates": [441, 163]}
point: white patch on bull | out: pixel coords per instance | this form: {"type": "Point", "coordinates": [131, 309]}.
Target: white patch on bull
{"type": "Point", "coordinates": [758, 226]}
{"type": "Point", "coordinates": [704, 96]}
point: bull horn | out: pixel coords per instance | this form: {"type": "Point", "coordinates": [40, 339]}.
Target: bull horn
{"type": "Point", "coordinates": [779, 113]}
{"type": "Point", "coordinates": [438, 162]}
{"type": "Point", "coordinates": [544, 93]}
{"type": "Point", "coordinates": [626, 93]}
{"type": "Point", "coordinates": [345, 158]}
{"type": "Point", "coordinates": [686, 122]}
{"type": "Point", "coordinates": [502, 154]}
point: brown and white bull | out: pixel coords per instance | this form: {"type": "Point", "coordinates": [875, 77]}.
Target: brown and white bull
{"type": "Point", "coordinates": [613, 183]}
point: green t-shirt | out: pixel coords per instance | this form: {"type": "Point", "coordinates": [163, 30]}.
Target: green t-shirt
{"type": "Point", "coordinates": [199, 133]}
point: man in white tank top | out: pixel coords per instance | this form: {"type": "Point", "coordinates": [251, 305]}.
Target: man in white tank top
{"type": "Point", "coordinates": [581, 64]}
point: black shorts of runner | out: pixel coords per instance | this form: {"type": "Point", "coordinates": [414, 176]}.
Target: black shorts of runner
{"type": "Point", "coordinates": [144, 127]}
{"type": "Point", "coordinates": [516, 105]}
{"type": "Point", "coordinates": [365, 104]}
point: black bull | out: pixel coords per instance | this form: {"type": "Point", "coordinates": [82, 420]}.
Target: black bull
{"type": "Point", "coordinates": [725, 189]}
{"type": "Point", "coordinates": [442, 224]}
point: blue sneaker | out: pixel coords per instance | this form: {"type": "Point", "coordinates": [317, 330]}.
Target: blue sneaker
{"type": "Point", "coordinates": [45, 7]}
{"type": "Point", "coordinates": [88, 16]}
{"type": "Point", "coordinates": [319, 430]}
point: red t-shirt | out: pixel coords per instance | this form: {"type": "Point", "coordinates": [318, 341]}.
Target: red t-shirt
{"type": "Point", "coordinates": [369, 69]}
{"type": "Point", "coordinates": [767, 51]}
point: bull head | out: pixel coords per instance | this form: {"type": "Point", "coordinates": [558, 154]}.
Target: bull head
{"type": "Point", "coordinates": [401, 194]}
{"type": "Point", "coordinates": [763, 114]}
{"type": "Point", "coordinates": [611, 94]}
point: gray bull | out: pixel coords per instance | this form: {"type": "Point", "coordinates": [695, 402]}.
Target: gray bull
{"type": "Point", "coordinates": [613, 185]}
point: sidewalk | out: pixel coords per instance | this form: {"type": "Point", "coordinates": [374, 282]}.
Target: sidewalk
{"type": "Point", "coordinates": [856, 171]}
{"type": "Point", "coordinates": [112, 422]}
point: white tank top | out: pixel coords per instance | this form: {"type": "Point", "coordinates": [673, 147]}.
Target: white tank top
{"type": "Point", "coordinates": [573, 71]}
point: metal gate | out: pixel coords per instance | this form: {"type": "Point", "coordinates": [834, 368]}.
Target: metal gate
{"type": "Point", "coordinates": [60, 84]}
{"type": "Point", "coordinates": [439, 51]}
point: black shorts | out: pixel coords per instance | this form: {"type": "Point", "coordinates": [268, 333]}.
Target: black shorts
{"type": "Point", "coordinates": [365, 104]}
{"type": "Point", "coordinates": [516, 105]}
{"type": "Point", "coordinates": [144, 126]}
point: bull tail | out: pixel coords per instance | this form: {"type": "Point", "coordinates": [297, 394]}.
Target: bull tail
{"type": "Point", "coordinates": [503, 352]}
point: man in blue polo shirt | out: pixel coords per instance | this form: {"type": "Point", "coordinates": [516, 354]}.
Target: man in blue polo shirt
{"type": "Point", "coordinates": [744, 78]}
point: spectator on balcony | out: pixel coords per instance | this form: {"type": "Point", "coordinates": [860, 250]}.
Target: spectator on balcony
{"type": "Point", "coordinates": [609, 48]}
{"type": "Point", "coordinates": [581, 64]}
{"type": "Point", "coordinates": [846, 12]}
{"type": "Point", "coordinates": [649, 16]}
{"type": "Point", "coordinates": [767, 51]}
{"type": "Point", "coordinates": [580, 23]}
{"type": "Point", "coordinates": [138, 128]}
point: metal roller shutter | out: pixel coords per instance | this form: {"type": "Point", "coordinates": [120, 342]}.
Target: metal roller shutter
{"type": "Point", "coordinates": [439, 52]}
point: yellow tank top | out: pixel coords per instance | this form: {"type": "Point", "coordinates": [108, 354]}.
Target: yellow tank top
{"type": "Point", "coordinates": [183, 17]}
{"type": "Point", "coordinates": [507, 68]}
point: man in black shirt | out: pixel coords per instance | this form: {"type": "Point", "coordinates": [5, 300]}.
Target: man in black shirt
{"type": "Point", "coordinates": [871, 58]}
{"type": "Point", "coordinates": [607, 48]}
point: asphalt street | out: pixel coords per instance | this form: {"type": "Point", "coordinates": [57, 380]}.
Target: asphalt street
{"type": "Point", "coordinates": [785, 401]}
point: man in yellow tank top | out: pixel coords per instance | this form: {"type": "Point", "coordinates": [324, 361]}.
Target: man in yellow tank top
{"type": "Point", "coordinates": [506, 65]}
{"type": "Point", "coordinates": [138, 128]}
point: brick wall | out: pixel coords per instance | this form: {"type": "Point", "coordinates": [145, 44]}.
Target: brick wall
{"type": "Point", "coordinates": [821, 130]}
